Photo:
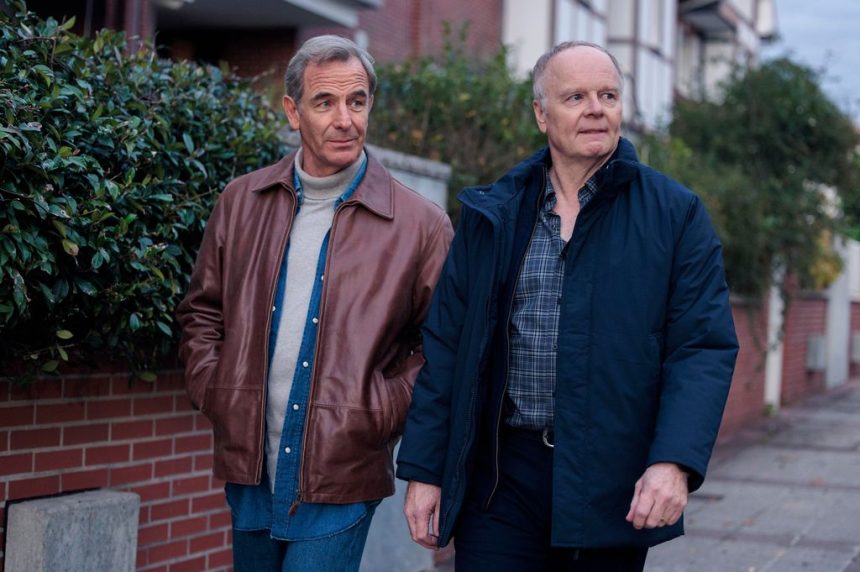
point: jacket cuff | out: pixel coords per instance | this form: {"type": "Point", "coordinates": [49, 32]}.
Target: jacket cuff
{"type": "Point", "coordinates": [410, 472]}
{"type": "Point", "coordinates": [695, 477]}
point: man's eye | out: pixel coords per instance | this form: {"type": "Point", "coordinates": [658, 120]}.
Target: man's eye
{"type": "Point", "coordinates": [323, 104]}
{"type": "Point", "coordinates": [358, 104]}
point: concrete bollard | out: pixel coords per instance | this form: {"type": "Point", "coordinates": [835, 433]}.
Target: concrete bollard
{"type": "Point", "coordinates": [94, 530]}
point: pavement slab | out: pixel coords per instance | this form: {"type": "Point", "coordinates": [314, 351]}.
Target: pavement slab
{"type": "Point", "coordinates": [782, 497]}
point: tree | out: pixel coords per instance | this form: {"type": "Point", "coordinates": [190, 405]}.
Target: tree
{"type": "Point", "coordinates": [767, 159]}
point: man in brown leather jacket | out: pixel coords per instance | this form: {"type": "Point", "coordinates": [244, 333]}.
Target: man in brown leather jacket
{"type": "Point", "coordinates": [301, 325]}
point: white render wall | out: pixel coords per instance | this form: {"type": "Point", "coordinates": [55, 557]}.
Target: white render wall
{"type": "Point", "coordinates": [527, 31]}
{"type": "Point", "coordinates": [575, 21]}
{"type": "Point", "coordinates": [718, 60]}
{"type": "Point", "coordinates": [654, 89]}
{"type": "Point", "coordinates": [657, 54]}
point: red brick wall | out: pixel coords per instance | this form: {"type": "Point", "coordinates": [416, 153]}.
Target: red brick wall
{"type": "Point", "coordinates": [261, 54]}
{"type": "Point", "coordinates": [484, 18]}
{"type": "Point", "coordinates": [95, 431]}
{"type": "Point", "coordinates": [407, 28]}
{"type": "Point", "coordinates": [854, 368]}
{"type": "Point", "coordinates": [746, 397]}
{"type": "Point", "coordinates": [806, 316]}
{"type": "Point", "coordinates": [389, 30]}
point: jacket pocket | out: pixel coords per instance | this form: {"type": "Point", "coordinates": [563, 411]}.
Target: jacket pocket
{"type": "Point", "coordinates": [349, 429]}
{"type": "Point", "coordinates": [397, 405]}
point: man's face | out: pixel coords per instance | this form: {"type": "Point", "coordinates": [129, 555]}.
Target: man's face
{"type": "Point", "coordinates": [582, 111]}
{"type": "Point", "coordinates": [332, 115]}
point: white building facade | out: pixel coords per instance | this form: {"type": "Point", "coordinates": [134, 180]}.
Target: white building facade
{"type": "Point", "coordinates": [666, 48]}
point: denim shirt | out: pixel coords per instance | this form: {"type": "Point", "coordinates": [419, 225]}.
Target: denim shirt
{"type": "Point", "coordinates": [254, 507]}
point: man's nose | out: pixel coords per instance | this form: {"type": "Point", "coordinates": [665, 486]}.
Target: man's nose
{"type": "Point", "coordinates": [594, 105]}
{"type": "Point", "coordinates": [342, 118]}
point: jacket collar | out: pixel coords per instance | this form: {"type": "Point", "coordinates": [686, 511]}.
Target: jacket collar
{"type": "Point", "coordinates": [375, 192]}
{"type": "Point", "coordinates": [528, 175]}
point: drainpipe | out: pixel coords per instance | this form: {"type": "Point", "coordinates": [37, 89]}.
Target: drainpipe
{"type": "Point", "coordinates": [773, 361]}
{"type": "Point", "coordinates": [88, 19]}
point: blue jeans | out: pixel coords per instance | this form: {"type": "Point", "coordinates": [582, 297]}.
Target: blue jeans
{"type": "Point", "coordinates": [257, 551]}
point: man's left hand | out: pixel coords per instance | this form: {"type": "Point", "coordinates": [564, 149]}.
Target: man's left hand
{"type": "Point", "coordinates": [659, 497]}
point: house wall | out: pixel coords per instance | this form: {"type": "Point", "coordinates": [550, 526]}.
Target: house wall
{"type": "Point", "coordinates": [401, 29]}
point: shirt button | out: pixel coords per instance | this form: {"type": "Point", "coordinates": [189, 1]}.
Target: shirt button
{"type": "Point", "coordinates": [295, 406]}
{"type": "Point", "coordinates": [273, 308]}
{"type": "Point", "coordinates": [555, 347]}
{"type": "Point", "coordinates": [322, 277]}
{"type": "Point", "coordinates": [315, 321]}
{"type": "Point", "coordinates": [305, 364]}
{"type": "Point", "coordinates": [288, 450]}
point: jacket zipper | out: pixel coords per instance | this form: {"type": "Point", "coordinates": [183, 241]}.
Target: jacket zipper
{"type": "Point", "coordinates": [268, 330]}
{"type": "Point", "coordinates": [299, 492]}
{"type": "Point", "coordinates": [507, 357]}
{"type": "Point", "coordinates": [474, 392]}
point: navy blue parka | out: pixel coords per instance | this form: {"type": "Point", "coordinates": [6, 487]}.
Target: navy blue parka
{"type": "Point", "coordinates": [646, 347]}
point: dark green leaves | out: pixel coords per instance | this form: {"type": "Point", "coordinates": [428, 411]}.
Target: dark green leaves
{"type": "Point", "coordinates": [761, 158]}
{"type": "Point", "coordinates": [110, 165]}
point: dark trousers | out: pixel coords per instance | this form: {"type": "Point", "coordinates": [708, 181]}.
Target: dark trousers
{"type": "Point", "coordinates": [513, 534]}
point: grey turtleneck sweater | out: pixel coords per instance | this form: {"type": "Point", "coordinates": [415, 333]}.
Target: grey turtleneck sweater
{"type": "Point", "coordinates": [306, 237]}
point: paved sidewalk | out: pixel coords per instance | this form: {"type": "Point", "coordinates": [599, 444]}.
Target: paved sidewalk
{"type": "Point", "coordinates": [782, 497]}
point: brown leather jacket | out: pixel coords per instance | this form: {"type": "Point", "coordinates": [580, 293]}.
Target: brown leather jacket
{"type": "Point", "coordinates": [386, 250]}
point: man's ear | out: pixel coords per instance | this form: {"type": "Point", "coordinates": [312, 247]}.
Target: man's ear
{"type": "Point", "coordinates": [540, 115]}
{"type": "Point", "coordinates": [291, 109]}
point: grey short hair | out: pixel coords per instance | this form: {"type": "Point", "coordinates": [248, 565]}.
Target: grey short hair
{"type": "Point", "coordinates": [543, 62]}
{"type": "Point", "coordinates": [320, 50]}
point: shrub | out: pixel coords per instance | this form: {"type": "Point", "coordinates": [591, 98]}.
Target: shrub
{"type": "Point", "coordinates": [471, 114]}
{"type": "Point", "coordinates": [768, 159]}
{"type": "Point", "coordinates": [110, 162]}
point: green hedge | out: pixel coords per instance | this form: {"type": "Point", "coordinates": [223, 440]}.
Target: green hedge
{"type": "Point", "coordinates": [109, 165]}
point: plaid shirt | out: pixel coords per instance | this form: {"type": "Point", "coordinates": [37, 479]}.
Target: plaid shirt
{"type": "Point", "coordinates": [534, 318]}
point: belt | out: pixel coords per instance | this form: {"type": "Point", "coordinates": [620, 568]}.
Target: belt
{"type": "Point", "coordinates": [545, 435]}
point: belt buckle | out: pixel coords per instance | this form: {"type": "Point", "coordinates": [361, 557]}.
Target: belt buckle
{"type": "Point", "coordinates": [545, 437]}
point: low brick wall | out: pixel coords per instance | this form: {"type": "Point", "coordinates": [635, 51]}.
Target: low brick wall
{"type": "Point", "coordinates": [854, 368]}
{"type": "Point", "coordinates": [746, 398]}
{"type": "Point", "coordinates": [101, 430]}
{"type": "Point", "coordinates": [806, 316]}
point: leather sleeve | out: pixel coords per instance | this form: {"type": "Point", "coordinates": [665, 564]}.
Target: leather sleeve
{"type": "Point", "coordinates": [201, 311]}
{"type": "Point", "coordinates": [431, 260]}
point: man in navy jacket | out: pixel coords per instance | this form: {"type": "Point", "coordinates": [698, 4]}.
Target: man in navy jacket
{"type": "Point", "coordinates": [579, 347]}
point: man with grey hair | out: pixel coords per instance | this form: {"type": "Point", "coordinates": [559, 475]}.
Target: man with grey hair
{"type": "Point", "coordinates": [301, 332]}
{"type": "Point", "coordinates": [579, 349]}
